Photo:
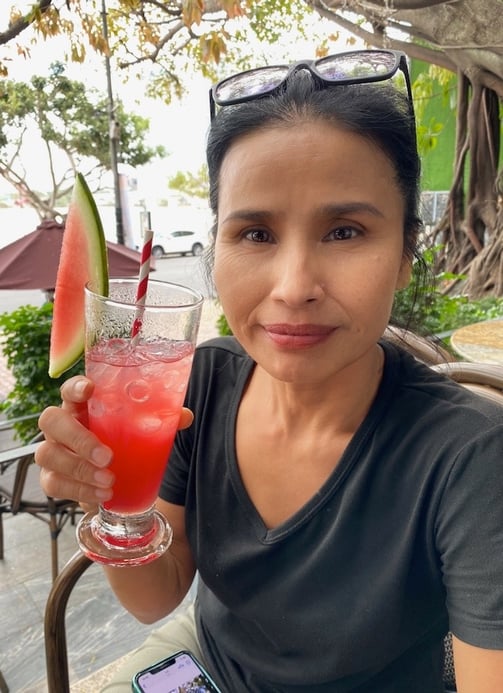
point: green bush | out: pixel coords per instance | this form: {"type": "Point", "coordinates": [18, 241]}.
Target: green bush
{"type": "Point", "coordinates": [425, 309]}
{"type": "Point", "coordinates": [25, 343]}
{"type": "Point", "coordinates": [223, 326]}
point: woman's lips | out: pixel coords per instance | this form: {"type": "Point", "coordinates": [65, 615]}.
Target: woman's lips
{"type": "Point", "coordinates": [297, 336]}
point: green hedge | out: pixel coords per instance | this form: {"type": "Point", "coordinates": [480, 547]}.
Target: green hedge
{"type": "Point", "coordinates": [424, 307]}
{"type": "Point", "coordinates": [25, 343]}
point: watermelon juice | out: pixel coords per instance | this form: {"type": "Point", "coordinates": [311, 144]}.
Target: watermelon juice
{"type": "Point", "coordinates": [135, 409]}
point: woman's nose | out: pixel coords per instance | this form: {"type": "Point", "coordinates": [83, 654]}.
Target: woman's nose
{"type": "Point", "coordinates": [296, 278]}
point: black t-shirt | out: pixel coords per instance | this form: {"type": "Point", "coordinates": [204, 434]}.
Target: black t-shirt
{"type": "Point", "coordinates": [356, 590]}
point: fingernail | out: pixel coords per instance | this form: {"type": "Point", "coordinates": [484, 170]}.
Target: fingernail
{"type": "Point", "coordinates": [104, 478]}
{"type": "Point", "coordinates": [103, 494]}
{"type": "Point", "coordinates": [101, 456]}
{"type": "Point", "coordinates": [79, 387]}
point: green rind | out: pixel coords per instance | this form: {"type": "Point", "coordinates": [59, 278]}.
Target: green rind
{"type": "Point", "coordinates": [83, 193]}
{"type": "Point", "coordinates": [83, 204]}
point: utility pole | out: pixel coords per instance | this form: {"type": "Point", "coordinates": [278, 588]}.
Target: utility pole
{"type": "Point", "coordinates": [114, 134]}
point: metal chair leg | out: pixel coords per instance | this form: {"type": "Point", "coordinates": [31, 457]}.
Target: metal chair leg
{"type": "Point", "coordinates": [4, 688]}
{"type": "Point", "coordinates": [1, 544]}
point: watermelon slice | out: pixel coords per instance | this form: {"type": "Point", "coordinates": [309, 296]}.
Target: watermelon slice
{"type": "Point", "coordinates": [83, 259]}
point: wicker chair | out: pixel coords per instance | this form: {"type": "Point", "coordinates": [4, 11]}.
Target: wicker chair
{"type": "Point", "coordinates": [425, 349]}
{"type": "Point", "coordinates": [20, 492]}
{"type": "Point", "coordinates": [485, 379]}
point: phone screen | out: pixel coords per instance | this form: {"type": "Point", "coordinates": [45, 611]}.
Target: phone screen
{"type": "Point", "coordinates": [178, 674]}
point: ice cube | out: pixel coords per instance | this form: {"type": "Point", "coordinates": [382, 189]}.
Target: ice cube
{"type": "Point", "coordinates": [170, 380]}
{"type": "Point", "coordinates": [96, 408]}
{"type": "Point", "coordinates": [138, 390]}
{"type": "Point", "coordinates": [153, 370]}
{"type": "Point", "coordinates": [149, 424]}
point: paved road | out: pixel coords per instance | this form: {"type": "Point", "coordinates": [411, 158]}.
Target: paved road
{"type": "Point", "coordinates": [181, 270]}
{"type": "Point", "coordinates": [189, 271]}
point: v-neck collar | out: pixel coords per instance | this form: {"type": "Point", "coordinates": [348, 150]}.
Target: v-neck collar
{"type": "Point", "coordinates": [335, 482]}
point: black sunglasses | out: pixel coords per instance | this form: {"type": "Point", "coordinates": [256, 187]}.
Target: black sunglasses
{"type": "Point", "coordinates": [355, 67]}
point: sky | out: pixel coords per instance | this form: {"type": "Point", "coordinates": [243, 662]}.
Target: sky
{"type": "Point", "coordinates": [180, 127]}
{"type": "Point", "coordinates": [189, 116]}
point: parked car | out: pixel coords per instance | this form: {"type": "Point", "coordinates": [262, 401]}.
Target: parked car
{"type": "Point", "coordinates": [182, 242]}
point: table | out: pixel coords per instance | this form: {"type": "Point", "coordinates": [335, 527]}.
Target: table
{"type": "Point", "coordinates": [481, 342]}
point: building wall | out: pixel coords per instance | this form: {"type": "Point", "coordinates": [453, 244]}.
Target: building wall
{"type": "Point", "coordinates": [437, 163]}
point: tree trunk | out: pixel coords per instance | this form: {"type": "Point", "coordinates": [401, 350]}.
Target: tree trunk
{"type": "Point", "coordinates": [470, 233]}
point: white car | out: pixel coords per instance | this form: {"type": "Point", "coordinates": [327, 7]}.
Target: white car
{"type": "Point", "coordinates": [181, 242]}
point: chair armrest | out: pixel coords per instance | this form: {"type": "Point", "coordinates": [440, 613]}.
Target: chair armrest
{"type": "Point", "coordinates": [470, 372]}
{"type": "Point", "coordinates": [16, 453]}
{"type": "Point", "coordinates": [54, 623]}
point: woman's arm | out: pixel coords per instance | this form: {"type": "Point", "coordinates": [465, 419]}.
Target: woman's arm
{"type": "Point", "coordinates": [74, 465]}
{"type": "Point", "coordinates": [477, 670]}
{"type": "Point", "coordinates": [152, 591]}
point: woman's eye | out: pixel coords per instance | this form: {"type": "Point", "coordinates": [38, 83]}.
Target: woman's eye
{"type": "Point", "coordinates": [258, 236]}
{"type": "Point", "coordinates": [342, 233]}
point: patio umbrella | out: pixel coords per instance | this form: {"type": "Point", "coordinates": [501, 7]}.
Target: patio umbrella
{"type": "Point", "coordinates": [32, 261]}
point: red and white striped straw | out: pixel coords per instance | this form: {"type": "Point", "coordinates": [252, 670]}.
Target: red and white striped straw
{"type": "Point", "coordinates": [141, 292]}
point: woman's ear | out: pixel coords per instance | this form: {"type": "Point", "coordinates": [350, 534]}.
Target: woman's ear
{"type": "Point", "coordinates": [404, 274]}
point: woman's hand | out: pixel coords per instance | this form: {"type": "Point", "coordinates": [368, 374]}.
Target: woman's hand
{"type": "Point", "coordinates": [73, 461]}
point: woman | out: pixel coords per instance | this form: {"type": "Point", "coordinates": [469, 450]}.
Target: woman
{"type": "Point", "coordinates": [340, 501]}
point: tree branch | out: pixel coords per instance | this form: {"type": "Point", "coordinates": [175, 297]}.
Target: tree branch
{"type": "Point", "coordinates": [381, 40]}
{"type": "Point", "coordinates": [154, 54]}
{"type": "Point", "coordinates": [399, 5]}
{"type": "Point", "coordinates": [15, 28]}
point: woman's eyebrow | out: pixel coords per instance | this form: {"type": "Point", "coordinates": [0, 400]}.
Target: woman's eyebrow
{"type": "Point", "coordinates": [340, 209]}
{"type": "Point", "coordinates": [336, 209]}
{"type": "Point", "coordinates": [254, 215]}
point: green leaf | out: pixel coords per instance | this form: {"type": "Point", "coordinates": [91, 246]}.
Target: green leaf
{"type": "Point", "coordinates": [25, 344]}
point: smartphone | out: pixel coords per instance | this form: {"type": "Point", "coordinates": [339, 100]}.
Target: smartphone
{"type": "Point", "coordinates": [179, 672]}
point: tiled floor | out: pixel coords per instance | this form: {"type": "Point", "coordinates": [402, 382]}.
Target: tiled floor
{"type": "Point", "coordinates": [98, 628]}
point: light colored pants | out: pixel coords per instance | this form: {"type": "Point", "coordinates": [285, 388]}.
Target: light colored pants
{"type": "Point", "coordinates": [179, 633]}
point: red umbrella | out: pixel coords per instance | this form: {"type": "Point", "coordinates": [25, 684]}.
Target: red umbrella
{"type": "Point", "coordinates": [32, 261]}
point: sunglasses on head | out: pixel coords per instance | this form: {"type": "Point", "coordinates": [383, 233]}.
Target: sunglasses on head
{"type": "Point", "coordinates": [355, 67]}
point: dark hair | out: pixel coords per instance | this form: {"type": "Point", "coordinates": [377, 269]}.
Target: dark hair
{"type": "Point", "coordinates": [379, 112]}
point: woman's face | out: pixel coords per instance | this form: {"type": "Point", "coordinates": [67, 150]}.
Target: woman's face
{"type": "Point", "coordinates": [309, 248]}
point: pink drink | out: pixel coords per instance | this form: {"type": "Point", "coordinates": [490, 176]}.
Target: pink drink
{"type": "Point", "coordinates": [135, 410]}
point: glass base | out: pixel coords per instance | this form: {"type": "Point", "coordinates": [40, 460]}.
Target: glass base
{"type": "Point", "coordinates": [123, 540]}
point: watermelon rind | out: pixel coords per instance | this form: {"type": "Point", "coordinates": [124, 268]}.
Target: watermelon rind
{"type": "Point", "coordinates": [83, 259]}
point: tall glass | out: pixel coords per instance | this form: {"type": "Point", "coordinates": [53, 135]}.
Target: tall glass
{"type": "Point", "coordinates": [140, 378]}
